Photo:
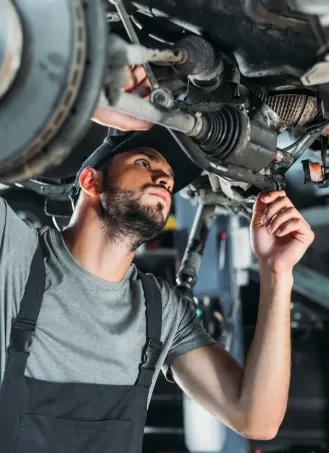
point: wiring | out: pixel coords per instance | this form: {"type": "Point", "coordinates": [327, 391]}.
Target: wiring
{"type": "Point", "coordinates": [317, 128]}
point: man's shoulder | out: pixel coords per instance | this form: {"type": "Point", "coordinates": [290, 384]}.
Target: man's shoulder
{"type": "Point", "coordinates": [161, 283]}
{"type": "Point", "coordinates": [169, 293]}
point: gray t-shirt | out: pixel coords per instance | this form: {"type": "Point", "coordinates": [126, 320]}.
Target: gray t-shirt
{"type": "Point", "coordinates": [89, 330]}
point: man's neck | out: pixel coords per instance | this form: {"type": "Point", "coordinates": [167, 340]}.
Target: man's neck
{"type": "Point", "coordinates": [97, 254]}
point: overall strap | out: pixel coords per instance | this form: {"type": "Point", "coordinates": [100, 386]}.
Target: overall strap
{"type": "Point", "coordinates": [153, 347]}
{"type": "Point", "coordinates": [23, 327]}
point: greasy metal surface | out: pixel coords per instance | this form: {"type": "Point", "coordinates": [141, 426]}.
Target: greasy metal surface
{"type": "Point", "coordinates": [210, 80]}
{"type": "Point", "coordinates": [175, 119]}
{"type": "Point", "coordinates": [11, 45]}
{"type": "Point", "coordinates": [194, 152]}
{"type": "Point", "coordinates": [162, 97]}
{"type": "Point", "coordinates": [230, 137]}
{"type": "Point", "coordinates": [260, 49]}
{"type": "Point", "coordinates": [306, 142]}
{"type": "Point", "coordinates": [256, 10]}
{"type": "Point", "coordinates": [266, 116]}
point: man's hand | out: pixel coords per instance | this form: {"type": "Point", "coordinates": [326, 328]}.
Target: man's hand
{"type": "Point", "coordinates": [279, 234]}
{"type": "Point", "coordinates": [137, 84]}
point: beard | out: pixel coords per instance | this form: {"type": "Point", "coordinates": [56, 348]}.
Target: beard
{"type": "Point", "coordinates": [125, 218]}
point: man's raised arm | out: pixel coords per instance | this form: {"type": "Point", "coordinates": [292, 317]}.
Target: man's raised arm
{"type": "Point", "coordinates": [252, 401]}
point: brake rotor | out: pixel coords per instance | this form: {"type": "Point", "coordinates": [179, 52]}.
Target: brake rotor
{"type": "Point", "coordinates": [50, 100]}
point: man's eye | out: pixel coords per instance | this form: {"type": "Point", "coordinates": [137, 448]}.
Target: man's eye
{"type": "Point", "coordinates": [144, 163]}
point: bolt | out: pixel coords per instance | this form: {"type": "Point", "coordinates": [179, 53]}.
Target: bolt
{"type": "Point", "coordinates": [160, 98]}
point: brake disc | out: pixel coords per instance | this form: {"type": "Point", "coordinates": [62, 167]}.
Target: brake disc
{"type": "Point", "coordinates": [50, 98]}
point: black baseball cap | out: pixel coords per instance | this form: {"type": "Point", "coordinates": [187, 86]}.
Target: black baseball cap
{"type": "Point", "coordinates": [158, 138]}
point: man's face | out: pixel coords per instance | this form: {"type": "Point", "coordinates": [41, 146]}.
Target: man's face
{"type": "Point", "coordinates": [136, 201]}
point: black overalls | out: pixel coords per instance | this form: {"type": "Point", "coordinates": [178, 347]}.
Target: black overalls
{"type": "Point", "coordinates": [44, 417]}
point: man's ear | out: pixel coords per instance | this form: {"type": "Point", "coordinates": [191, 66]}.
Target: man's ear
{"type": "Point", "coordinates": [91, 182]}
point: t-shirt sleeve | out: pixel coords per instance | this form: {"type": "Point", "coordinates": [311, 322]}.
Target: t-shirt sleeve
{"type": "Point", "coordinates": [14, 233]}
{"type": "Point", "coordinates": [190, 333]}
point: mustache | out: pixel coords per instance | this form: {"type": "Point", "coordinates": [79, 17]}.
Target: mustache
{"type": "Point", "coordinates": [153, 186]}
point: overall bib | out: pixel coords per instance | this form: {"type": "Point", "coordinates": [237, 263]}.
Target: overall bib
{"type": "Point", "coordinates": [45, 417]}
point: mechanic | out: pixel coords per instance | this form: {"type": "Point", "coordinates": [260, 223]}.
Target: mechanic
{"type": "Point", "coordinates": [84, 387]}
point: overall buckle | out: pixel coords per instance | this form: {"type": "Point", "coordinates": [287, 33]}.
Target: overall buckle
{"type": "Point", "coordinates": [152, 353]}
{"type": "Point", "coordinates": [22, 335]}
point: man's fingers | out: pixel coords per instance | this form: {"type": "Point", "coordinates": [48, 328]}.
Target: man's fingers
{"type": "Point", "coordinates": [280, 210]}
{"type": "Point", "coordinates": [107, 117]}
{"type": "Point", "coordinates": [137, 77]}
{"type": "Point", "coordinates": [282, 217]}
{"type": "Point", "coordinates": [295, 226]}
{"type": "Point", "coordinates": [260, 206]}
{"type": "Point", "coordinates": [140, 73]}
{"type": "Point", "coordinates": [264, 199]}
{"type": "Point", "coordinates": [275, 207]}
{"type": "Point", "coordinates": [132, 80]}
{"type": "Point", "coordinates": [142, 91]}
{"type": "Point", "coordinates": [269, 197]}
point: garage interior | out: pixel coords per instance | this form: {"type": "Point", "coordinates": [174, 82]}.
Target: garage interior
{"type": "Point", "coordinates": [249, 104]}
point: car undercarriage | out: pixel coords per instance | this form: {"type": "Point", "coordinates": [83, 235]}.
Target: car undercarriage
{"type": "Point", "coordinates": [227, 80]}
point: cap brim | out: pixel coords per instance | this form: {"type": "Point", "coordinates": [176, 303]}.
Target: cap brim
{"type": "Point", "coordinates": [160, 139]}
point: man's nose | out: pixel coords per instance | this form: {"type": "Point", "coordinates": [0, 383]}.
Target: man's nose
{"type": "Point", "coordinates": [162, 179]}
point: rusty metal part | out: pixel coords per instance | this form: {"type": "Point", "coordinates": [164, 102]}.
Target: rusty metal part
{"type": "Point", "coordinates": [278, 157]}
{"type": "Point", "coordinates": [11, 45]}
{"type": "Point", "coordinates": [325, 132]}
{"type": "Point", "coordinates": [283, 159]}
{"type": "Point", "coordinates": [293, 109]}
